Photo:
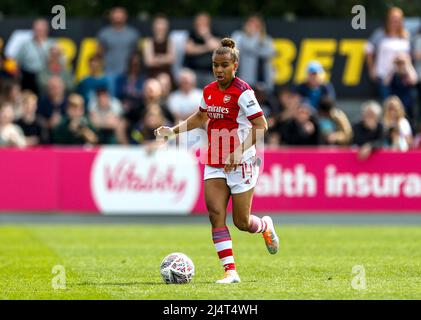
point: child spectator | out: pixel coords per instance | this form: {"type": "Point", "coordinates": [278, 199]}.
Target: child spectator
{"type": "Point", "coordinates": [394, 117]}
{"type": "Point", "coordinates": [314, 89]}
{"type": "Point", "coordinates": [104, 113]}
{"type": "Point", "coordinates": [74, 127]}
{"type": "Point", "coordinates": [10, 133]}
{"type": "Point", "coordinates": [143, 131]}
{"type": "Point", "coordinates": [334, 124]}
{"type": "Point", "coordinates": [29, 121]}
{"type": "Point", "coordinates": [12, 94]}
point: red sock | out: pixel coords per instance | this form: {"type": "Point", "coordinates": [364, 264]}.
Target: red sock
{"type": "Point", "coordinates": [257, 225]}
{"type": "Point", "coordinates": [223, 245]}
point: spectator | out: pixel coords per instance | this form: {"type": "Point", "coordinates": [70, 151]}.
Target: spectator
{"type": "Point", "coordinates": [417, 59]}
{"type": "Point", "coordinates": [143, 131]}
{"type": "Point", "coordinates": [289, 101]}
{"type": "Point", "coordinates": [159, 51]}
{"type": "Point", "coordinates": [256, 49]}
{"type": "Point", "coordinates": [394, 121]}
{"type": "Point", "coordinates": [302, 129]}
{"type": "Point", "coordinates": [184, 101]}
{"type": "Point", "coordinates": [55, 66]}
{"type": "Point", "coordinates": [74, 128]}
{"type": "Point", "coordinates": [199, 48]}
{"type": "Point", "coordinates": [151, 97]}
{"type": "Point", "coordinates": [104, 113]}
{"type": "Point", "coordinates": [5, 75]}
{"type": "Point", "coordinates": [368, 132]}
{"type": "Point", "coordinates": [116, 42]}
{"type": "Point", "coordinates": [96, 79]}
{"type": "Point", "coordinates": [402, 81]}
{"type": "Point", "coordinates": [382, 48]}
{"type": "Point", "coordinates": [12, 94]}
{"type": "Point", "coordinates": [10, 133]}
{"type": "Point", "coordinates": [335, 128]}
{"type": "Point", "coordinates": [416, 144]}
{"type": "Point", "coordinates": [314, 89]}
{"type": "Point", "coordinates": [266, 99]}
{"type": "Point", "coordinates": [32, 55]}
{"type": "Point", "coordinates": [29, 121]}
{"type": "Point", "coordinates": [394, 141]}
{"type": "Point", "coordinates": [129, 85]}
{"type": "Point", "coordinates": [52, 106]}
{"type": "Point", "coordinates": [166, 87]}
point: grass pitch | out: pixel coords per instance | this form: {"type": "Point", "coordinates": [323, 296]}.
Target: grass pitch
{"type": "Point", "coordinates": [122, 262]}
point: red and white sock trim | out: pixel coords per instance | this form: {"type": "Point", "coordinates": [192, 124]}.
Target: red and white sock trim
{"type": "Point", "coordinates": [257, 225]}
{"type": "Point", "coordinates": [223, 245]}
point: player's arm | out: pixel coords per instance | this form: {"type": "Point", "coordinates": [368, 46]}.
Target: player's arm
{"type": "Point", "coordinates": [257, 132]}
{"type": "Point", "coordinates": [196, 120]}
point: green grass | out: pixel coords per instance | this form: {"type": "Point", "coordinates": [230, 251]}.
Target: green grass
{"type": "Point", "coordinates": [122, 262]}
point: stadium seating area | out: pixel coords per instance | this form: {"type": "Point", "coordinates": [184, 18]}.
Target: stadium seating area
{"type": "Point", "coordinates": [130, 91]}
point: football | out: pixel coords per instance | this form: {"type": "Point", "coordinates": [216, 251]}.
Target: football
{"type": "Point", "coordinates": [177, 268]}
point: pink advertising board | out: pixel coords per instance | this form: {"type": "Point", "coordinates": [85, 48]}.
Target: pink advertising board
{"type": "Point", "coordinates": [123, 180]}
{"type": "Point", "coordinates": [335, 181]}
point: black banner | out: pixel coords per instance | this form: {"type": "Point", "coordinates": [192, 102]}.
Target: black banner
{"type": "Point", "coordinates": [335, 43]}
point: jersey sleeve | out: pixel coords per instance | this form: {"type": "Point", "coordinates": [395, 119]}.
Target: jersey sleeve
{"type": "Point", "coordinates": [203, 106]}
{"type": "Point", "coordinates": [248, 103]}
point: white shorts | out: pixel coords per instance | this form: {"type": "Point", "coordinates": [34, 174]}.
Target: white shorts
{"type": "Point", "coordinates": [240, 180]}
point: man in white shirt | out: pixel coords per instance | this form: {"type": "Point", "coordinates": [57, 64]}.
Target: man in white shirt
{"type": "Point", "coordinates": [184, 102]}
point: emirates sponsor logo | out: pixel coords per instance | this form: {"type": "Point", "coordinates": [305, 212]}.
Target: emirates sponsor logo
{"type": "Point", "coordinates": [217, 112]}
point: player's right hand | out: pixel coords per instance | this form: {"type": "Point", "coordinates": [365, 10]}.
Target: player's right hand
{"type": "Point", "coordinates": [164, 132]}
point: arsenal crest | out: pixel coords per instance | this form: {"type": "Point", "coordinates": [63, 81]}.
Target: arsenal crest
{"type": "Point", "coordinates": [227, 98]}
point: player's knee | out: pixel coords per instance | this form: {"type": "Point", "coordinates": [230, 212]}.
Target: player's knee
{"type": "Point", "coordinates": [216, 217]}
{"type": "Point", "coordinates": [242, 224]}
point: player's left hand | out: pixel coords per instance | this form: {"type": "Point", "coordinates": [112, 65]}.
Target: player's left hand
{"type": "Point", "coordinates": [232, 161]}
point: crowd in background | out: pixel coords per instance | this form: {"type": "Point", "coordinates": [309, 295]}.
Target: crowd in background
{"type": "Point", "coordinates": [132, 90]}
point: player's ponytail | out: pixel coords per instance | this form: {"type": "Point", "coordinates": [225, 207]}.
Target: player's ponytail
{"type": "Point", "coordinates": [228, 46]}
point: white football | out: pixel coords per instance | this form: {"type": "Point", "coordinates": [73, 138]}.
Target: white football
{"type": "Point", "coordinates": [177, 268]}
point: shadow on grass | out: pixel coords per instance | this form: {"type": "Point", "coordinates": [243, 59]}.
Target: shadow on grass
{"type": "Point", "coordinates": [138, 283]}
{"type": "Point", "coordinates": [115, 283]}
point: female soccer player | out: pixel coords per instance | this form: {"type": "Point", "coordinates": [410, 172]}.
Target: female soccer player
{"type": "Point", "coordinates": [235, 123]}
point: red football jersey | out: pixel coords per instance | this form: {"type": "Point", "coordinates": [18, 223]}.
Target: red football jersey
{"type": "Point", "coordinates": [230, 112]}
